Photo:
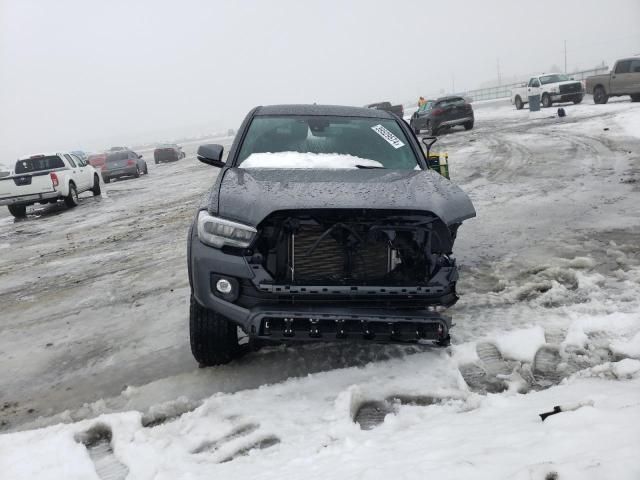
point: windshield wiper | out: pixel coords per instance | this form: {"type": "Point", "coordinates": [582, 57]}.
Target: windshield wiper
{"type": "Point", "coordinates": [368, 166]}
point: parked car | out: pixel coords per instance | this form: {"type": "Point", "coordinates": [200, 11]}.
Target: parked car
{"type": "Point", "coordinates": [445, 112]}
{"type": "Point", "coordinates": [324, 224]}
{"type": "Point", "coordinates": [80, 154]}
{"type": "Point", "coordinates": [168, 153]}
{"type": "Point", "coordinates": [97, 160]}
{"type": "Point", "coordinates": [123, 163]}
{"type": "Point", "coordinates": [624, 79]}
{"type": "Point", "coordinates": [47, 178]}
{"type": "Point", "coordinates": [552, 88]}
{"type": "Point", "coordinates": [387, 107]}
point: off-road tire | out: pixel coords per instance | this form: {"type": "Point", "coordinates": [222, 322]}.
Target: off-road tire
{"type": "Point", "coordinates": [577, 100]}
{"type": "Point", "coordinates": [600, 96]}
{"type": "Point", "coordinates": [71, 200]}
{"type": "Point", "coordinates": [519, 103]}
{"type": "Point", "coordinates": [137, 174]}
{"type": "Point", "coordinates": [214, 339]}
{"type": "Point", "coordinates": [468, 125]}
{"type": "Point", "coordinates": [18, 211]}
{"type": "Point", "coordinates": [546, 101]}
{"type": "Point", "coordinates": [96, 186]}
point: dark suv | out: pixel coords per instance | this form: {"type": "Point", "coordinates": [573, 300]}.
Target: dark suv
{"type": "Point", "coordinates": [443, 113]}
{"type": "Point", "coordinates": [324, 224]}
{"type": "Point", "coordinates": [123, 163]}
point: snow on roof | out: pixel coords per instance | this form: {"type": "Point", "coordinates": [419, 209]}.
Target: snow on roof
{"type": "Point", "coordinates": [286, 160]}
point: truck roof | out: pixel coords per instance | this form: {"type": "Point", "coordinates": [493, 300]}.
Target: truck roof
{"type": "Point", "coordinates": [322, 110]}
{"type": "Point", "coordinates": [37, 155]}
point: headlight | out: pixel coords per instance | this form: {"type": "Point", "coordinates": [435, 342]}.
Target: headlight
{"type": "Point", "coordinates": [219, 232]}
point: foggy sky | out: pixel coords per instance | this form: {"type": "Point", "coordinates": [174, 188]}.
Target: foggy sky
{"type": "Point", "coordinates": [88, 74]}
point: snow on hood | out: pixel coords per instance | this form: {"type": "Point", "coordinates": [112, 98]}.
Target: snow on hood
{"type": "Point", "coordinates": [306, 161]}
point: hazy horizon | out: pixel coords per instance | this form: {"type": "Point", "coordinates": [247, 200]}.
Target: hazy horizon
{"type": "Point", "coordinates": [83, 74]}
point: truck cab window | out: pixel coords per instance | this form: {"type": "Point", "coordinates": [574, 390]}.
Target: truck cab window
{"type": "Point", "coordinates": [623, 67]}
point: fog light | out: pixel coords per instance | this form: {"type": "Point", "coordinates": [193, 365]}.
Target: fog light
{"type": "Point", "coordinates": [224, 286]}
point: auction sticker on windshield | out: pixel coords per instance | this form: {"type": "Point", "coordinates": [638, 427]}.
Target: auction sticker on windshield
{"type": "Point", "coordinates": [394, 141]}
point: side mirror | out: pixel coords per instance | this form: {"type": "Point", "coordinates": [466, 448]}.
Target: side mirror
{"type": "Point", "coordinates": [211, 154]}
{"type": "Point", "coordinates": [139, 156]}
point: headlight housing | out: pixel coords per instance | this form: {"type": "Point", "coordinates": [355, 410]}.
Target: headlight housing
{"type": "Point", "coordinates": [218, 232]}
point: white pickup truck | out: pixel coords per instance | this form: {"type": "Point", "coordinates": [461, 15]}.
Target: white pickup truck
{"type": "Point", "coordinates": [552, 87]}
{"type": "Point", "coordinates": [47, 178]}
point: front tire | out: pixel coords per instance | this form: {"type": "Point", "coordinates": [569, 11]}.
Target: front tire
{"type": "Point", "coordinates": [214, 339]}
{"type": "Point", "coordinates": [578, 100]}
{"type": "Point", "coordinates": [431, 129]}
{"type": "Point", "coordinates": [600, 97]}
{"type": "Point", "coordinates": [18, 211]}
{"type": "Point", "coordinates": [416, 130]}
{"type": "Point", "coordinates": [146, 170]}
{"type": "Point", "coordinates": [635, 98]}
{"type": "Point", "coordinates": [519, 103]}
{"type": "Point", "coordinates": [468, 125]}
{"type": "Point", "coordinates": [137, 174]}
{"type": "Point", "coordinates": [546, 101]}
{"type": "Point", "coordinates": [72, 200]}
{"type": "Point", "coordinates": [96, 186]}
{"type": "Point", "coordinates": [106, 179]}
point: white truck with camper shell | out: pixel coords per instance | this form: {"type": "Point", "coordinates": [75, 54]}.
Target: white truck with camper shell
{"type": "Point", "coordinates": [47, 178]}
{"type": "Point", "coordinates": [552, 88]}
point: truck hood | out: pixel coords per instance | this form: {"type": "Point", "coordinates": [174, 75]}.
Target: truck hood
{"type": "Point", "coordinates": [250, 195]}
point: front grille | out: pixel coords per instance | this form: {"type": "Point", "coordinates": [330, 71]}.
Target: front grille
{"type": "Point", "coordinates": [571, 88]}
{"type": "Point", "coordinates": [330, 259]}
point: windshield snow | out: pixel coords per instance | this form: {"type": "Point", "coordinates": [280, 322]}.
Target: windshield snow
{"type": "Point", "coordinates": [308, 161]}
{"type": "Point", "coordinates": [329, 141]}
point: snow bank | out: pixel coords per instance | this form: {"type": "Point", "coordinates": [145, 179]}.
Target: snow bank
{"type": "Point", "coordinates": [306, 161]}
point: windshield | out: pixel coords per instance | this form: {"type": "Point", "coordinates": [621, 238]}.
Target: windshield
{"type": "Point", "coordinates": [39, 164]}
{"type": "Point", "coordinates": [114, 157]}
{"type": "Point", "coordinates": [370, 139]}
{"type": "Point", "coordinates": [555, 78]}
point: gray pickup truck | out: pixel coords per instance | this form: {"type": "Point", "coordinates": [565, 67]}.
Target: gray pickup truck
{"type": "Point", "coordinates": [624, 79]}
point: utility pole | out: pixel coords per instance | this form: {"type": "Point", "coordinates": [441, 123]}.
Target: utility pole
{"type": "Point", "coordinates": [565, 56]}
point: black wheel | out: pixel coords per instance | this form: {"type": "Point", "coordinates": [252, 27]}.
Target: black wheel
{"type": "Point", "coordinates": [431, 129]}
{"type": "Point", "coordinates": [146, 170]}
{"type": "Point", "coordinates": [577, 100]}
{"type": "Point", "coordinates": [96, 186]}
{"type": "Point", "coordinates": [444, 342]}
{"type": "Point", "coordinates": [546, 101]}
{"type": "Point", "coordinates": [214, 339]}
{"type": "Point", "coordinates": [137, 174]}
{"type": "Point", "coordinates": [468, 125]}
{"type": "Point", "coordinates": [519, 103]}
{"type": "Point", "coordinates": [416, 130]}
{"type": "Point", "coordinates": [72, 199]}
{"type": "Point", "coordinates": [106, 179]}
{"type": "Point", "coordinates": [156, 161]}
{"type": "Point", "coordinates": [635, 98]}
{"type": "Point", "coordinates": [18, 211]}
{"type": "Point", "coordinates": [600, 96]}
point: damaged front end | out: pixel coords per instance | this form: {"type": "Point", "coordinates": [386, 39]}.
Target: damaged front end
{"type": "Point", "coordinates": [339, 273]}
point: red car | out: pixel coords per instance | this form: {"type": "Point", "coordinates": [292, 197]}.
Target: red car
{"type": "Point", "coordinates": [97, 160]}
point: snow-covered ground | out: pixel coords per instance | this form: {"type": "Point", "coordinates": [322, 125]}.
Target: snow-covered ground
{"type": "Point", "coordinates": [97, 378]}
